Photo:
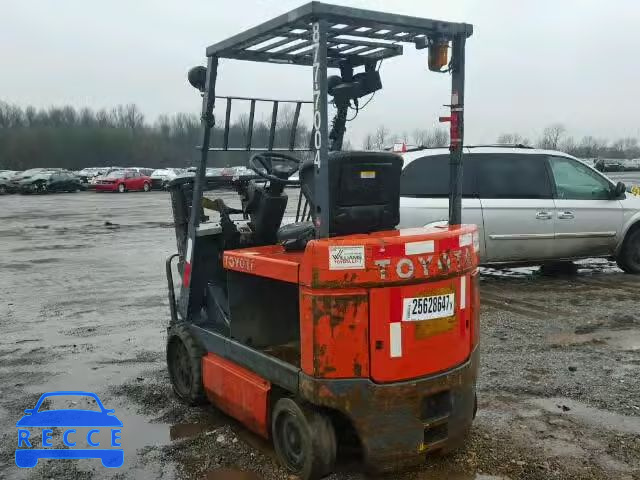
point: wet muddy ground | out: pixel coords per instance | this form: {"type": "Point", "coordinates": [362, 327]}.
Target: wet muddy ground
{"type": "Point", "coordinates": [83, 307]}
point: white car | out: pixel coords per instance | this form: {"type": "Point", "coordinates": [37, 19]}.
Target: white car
{"type": "Point", "coordinates": [530, 205]}
{"type": "Point", "coordinates": [162, 176]}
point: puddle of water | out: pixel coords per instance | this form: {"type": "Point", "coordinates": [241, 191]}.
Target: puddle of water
{"type": "Point", "coordinates": [231, 474]}
{"type": "Point", "coordinates": [590, 415]}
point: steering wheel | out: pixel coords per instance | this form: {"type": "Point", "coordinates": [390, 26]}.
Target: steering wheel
{"type": "Point", "coordinates": [262, 164]}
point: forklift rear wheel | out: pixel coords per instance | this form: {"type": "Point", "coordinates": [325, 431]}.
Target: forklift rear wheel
{"type": "Point", "coordinates": [304, 439]}
{"type": "Point", "coordinates": [184, 361]}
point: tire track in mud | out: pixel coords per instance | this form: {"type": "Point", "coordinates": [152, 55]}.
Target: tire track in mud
{"type": "Point", "coordinates": [521, 307]}
{"type": "Point", "coordinates": [614, 287]}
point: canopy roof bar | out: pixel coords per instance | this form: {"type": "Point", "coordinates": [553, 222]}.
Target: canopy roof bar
{"type": "Point", "coordinates": [285, 39]}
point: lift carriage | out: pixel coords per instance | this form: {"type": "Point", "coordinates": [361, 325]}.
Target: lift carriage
{"type": "Point", "coordinates": [336, 328]}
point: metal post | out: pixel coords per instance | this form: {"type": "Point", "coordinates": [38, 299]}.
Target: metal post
{"type": "Point", "coordinates": [250, 128]}
{"type": "Point", "coordinates": [294, 126]}
{"type": "Point", "coordinates": [321, 135]}
{"type": "Point", "coordinates": [207, 120]}
{"type": "Point", "coordinates": [227, 125]}
{"type": "Point", "coordinates": [457, 130]}
{"type": "Point", "coordinates": [274, 120]}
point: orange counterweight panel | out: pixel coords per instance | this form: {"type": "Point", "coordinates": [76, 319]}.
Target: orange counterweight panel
{"type": "Point", "coordinates": [237, 392]}
{"type": "Point", "coordinates": [419, 330]}
{"type": "Point", "coordinates": [334, 336]}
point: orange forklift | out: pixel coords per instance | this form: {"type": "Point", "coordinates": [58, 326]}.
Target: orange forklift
{"type": "Point", "coordinates": [336, 330]}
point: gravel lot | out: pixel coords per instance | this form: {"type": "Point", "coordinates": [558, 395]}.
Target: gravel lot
{"type": "Point", "coordinates": [83, 306]}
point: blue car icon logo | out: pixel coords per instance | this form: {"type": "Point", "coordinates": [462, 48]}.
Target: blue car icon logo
{"type": "Point", "coordinates": [36, 431]}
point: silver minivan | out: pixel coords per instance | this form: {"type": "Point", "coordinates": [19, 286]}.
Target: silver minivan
{"type": "Point", "coordinates": [530, 205]}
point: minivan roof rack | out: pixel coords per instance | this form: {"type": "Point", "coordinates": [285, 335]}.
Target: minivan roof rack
{"type": "Point", "coordinates": [492, 145]}
{"type": "Point", "coordinates": [501, 145]}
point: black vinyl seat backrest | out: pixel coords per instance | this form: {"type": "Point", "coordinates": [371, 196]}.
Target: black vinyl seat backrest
{"type": "Point", "coordinates": [364, 191]}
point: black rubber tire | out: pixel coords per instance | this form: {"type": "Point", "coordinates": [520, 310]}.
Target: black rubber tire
{"type": "Point", "coordinates": [146, 187]}
{"type": "Point", "coordinates": [3, 190]}
{"type": "Point", "coordinates": [122, 188]}
{"type": "Point", "coordinates": [629, 258]}
{"type": "Point", "coordinates": [184, 362]}
{"type": "Point", "coordinates": [307, 431]}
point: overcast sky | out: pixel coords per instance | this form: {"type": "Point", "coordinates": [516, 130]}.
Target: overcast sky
{"type": "Point", "coordinates": [529, 63]}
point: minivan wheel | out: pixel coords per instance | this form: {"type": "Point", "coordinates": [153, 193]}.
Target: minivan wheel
{"type": "Point", "coordinates": [629, 258]}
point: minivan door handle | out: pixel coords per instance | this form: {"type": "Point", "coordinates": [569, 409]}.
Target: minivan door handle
{"type": "Point", "coordinates": [543, 215]}
{"type": "Point", "coordinates": [566, 215]}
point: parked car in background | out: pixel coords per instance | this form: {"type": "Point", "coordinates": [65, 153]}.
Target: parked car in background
{"type": "Point", "coordinates": [609, 165]}
{"type": "Point", "coordinates": [17, 178]}
{"type": "Point", "coordinates": [123, 181]}
{"type": "Point", "coordinates": [223, 177]}
{"type": "Point", "coordinates": [146, 171]}
{"type": "Point", "coordinates": [531, 206]}
{"type": "Point", "coordinates": [48, 181]}
{"type": "Point", "coordinates": [87, 174]}
{"type": "Point", "coordinates": [161, 177]}
{"type": "Point", "coordinates": [106, 171]}
{"type": "Point", "coordinates": [632, 164]}
{"type": "Point", "coordinates": [6, 186]}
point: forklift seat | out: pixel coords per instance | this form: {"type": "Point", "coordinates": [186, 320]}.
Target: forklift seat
{"type": "Point", "coordinates": [364, 196]}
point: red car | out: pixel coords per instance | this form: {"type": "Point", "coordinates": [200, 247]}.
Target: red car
{"type": "Point", "coordinates": [123, 181]}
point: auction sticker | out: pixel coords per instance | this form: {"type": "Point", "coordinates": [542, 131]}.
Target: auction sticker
{"type": "Point", "coordinates": [428, 308]}
{"type": "Point", "coordinates": [346, 257]}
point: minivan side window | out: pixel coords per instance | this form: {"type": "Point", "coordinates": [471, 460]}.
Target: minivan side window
{"type": "Point", "coordinates": [575, 181]}
{"type": "Point", "coordinates": [429, 177]}
{"type": "Point", "coordinates": [512, 175]}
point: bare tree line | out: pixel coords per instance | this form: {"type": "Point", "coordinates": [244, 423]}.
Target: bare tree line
{"type": "Point", "coordinates": [383, 138]}
{"type": "Point", "coordinates": [556, 137]}
{"type": "Point", "coordinates": [74, 138]}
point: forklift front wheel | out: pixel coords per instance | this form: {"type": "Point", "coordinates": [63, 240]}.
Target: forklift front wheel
{"type": "Point", "coordinates": [304, 439]}
{"type": "Point", "coordinates": [184, 362]}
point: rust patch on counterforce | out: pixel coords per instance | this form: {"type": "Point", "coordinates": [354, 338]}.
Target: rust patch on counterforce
{"type": "Point", "coordinates": [335, 307]}
{"type": "Point", "coordinates": [336, 320]}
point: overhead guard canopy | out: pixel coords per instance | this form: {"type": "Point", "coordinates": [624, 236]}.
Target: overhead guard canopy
{"type": "Point", "coordinates": [360, 36]}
